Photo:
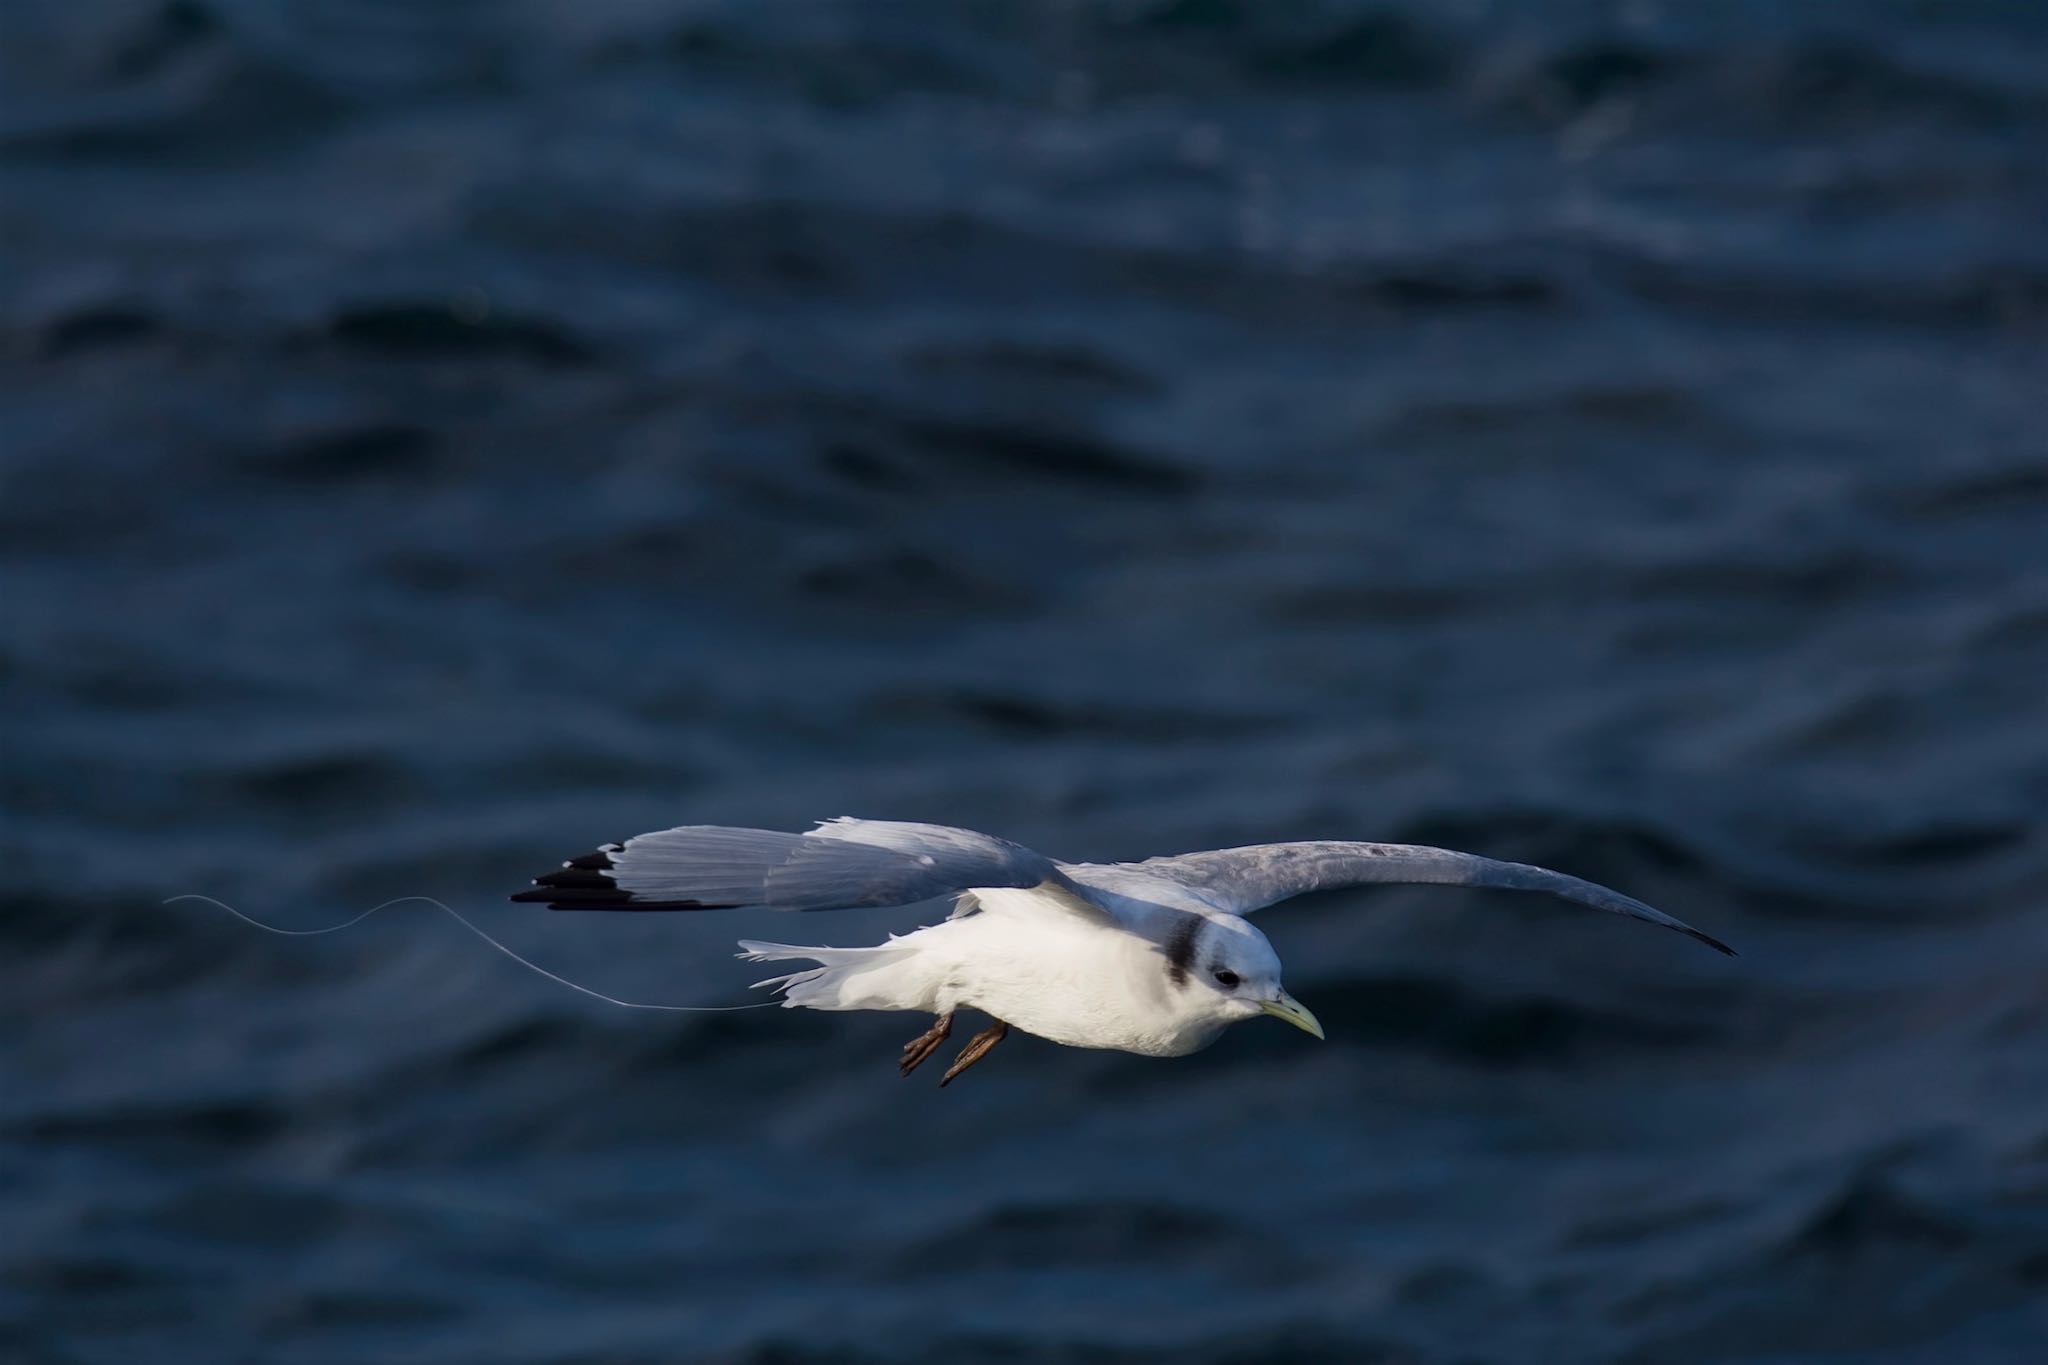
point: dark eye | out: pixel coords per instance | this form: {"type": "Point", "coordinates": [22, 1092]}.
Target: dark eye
{"type": "Point", "coordinates": [1225, 977]}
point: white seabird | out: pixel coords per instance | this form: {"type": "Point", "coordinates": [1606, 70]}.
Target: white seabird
{"type": "Point", "coordinates": [1154, 957]}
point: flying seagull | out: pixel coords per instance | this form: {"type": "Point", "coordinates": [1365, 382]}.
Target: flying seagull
{"type": "Point", "coordinates": [1153, 957]}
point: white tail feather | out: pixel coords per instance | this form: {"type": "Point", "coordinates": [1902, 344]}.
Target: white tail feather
{"type": "Point", "coordinates": [825, 987]}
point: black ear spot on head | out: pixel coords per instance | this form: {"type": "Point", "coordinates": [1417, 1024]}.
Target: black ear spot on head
{"type": "Point", "coordinates": [1180, 949]}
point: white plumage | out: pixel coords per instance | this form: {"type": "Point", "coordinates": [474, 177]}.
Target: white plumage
{"type": "Point", "coordinates": [1155, 957]}
{"type": "Point", "coordinates": [1029, 961]}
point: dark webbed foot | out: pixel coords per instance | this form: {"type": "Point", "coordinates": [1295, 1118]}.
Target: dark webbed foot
{"type": "Point", "coordinates": [926, 1043]}
{"type": "Point", "coordinates": [977, 1048]}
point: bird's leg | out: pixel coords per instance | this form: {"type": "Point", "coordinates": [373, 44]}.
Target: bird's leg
{"type": "Point", "coordinates": [926, 1043]}
{"type": "Point", "coordinates": [977, 1048]}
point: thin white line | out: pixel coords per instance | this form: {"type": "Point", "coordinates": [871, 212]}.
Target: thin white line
{"type": "Point", "coordinates": [530, 966]}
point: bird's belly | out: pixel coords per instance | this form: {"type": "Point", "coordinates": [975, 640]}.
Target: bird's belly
{"type": "Point", "coordinates": [1093, 989]}
{"type": "Point", "coordinates": [1108, 1028]}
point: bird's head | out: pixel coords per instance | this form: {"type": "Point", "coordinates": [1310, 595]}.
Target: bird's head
{"type": "Point", "coordinates": [1236, 972]}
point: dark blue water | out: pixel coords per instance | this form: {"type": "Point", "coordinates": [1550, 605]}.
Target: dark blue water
{"type": "Point", "coordinates": [438, 439]}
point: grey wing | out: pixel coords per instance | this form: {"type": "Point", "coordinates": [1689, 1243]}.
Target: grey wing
{"type": "Point", "coordinates": [841, 864]}
{"type": "Point", "coordinates": [1241, 880]}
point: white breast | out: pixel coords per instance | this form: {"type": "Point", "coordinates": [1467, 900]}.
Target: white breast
{"type": "Point", "coordinates": [1045, 969]}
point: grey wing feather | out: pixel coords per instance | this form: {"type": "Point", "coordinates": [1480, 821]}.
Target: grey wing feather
{"type": "Point", "coordinates": [842, 864]}
{"type": "Point", "coordinates": [1241, 880]}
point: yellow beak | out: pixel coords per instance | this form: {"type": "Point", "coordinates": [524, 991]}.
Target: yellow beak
{"type": "Point", "coordinates": [1294, 1012]}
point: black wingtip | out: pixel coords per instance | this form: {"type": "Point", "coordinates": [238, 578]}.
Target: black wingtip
{"type": "Point", "coordinates": [586, 883]}
{"type": "Point", "coordinates": [1713, 943]}
{"type": "Point", "coordinates": [582, 883]}
{"type": "Point", "coordinates": [576, 878]}
{"type": "Point", "coordinates": [605, 897]}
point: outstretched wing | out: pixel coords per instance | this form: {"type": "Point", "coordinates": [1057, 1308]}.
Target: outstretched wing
{"type": "Point", "coordinates": [842, 864]}
{"type": "Point", "coordinates": [1241, 880]}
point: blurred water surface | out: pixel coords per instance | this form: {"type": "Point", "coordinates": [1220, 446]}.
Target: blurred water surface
{"type": "Point", "coordinates": [441, 438]}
